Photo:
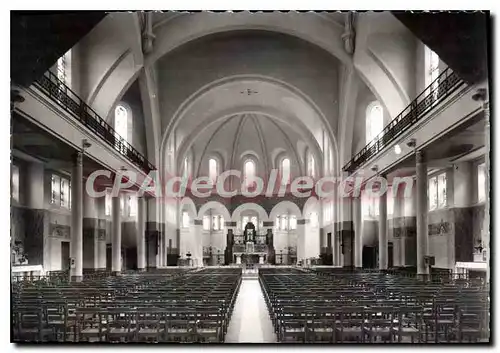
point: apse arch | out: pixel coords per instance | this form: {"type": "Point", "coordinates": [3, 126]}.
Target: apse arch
{"type": "Point", "coordinates": [250, 206]}
{"type": "Point", "coordinates": [290, 93]}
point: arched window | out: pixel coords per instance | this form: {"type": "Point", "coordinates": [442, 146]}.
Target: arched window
{"type": "Point", "coordinates": [213, 169]}
{"type": "Point", "coordinates": [311, 171]}
{"type": "Point", "coordinates": [249, 171]}
{"type": "Point", "coordinates": [432, 66]}
{"type": "Point", "coordinates": [374, 121]}
{"type": "Point", "coordinates": [121, 125]}
{"type": "Point", "coordinates": [185, 219]}
{"type": "Point", "coordinates": [481, 183]}
{"type": "Point", "coordinates": [61, 69]}
{"type": "Point", "coordinates": [285, 171]}
{"type": "Point", "coordinates": [185, 173]}
{"type": "Point", "coordinates": [132, 206]}
{"type": "Point", "coordinates": [206, 222]}
{"type": "Point", "coordinates": [14, 183]}
{"type": "Point", "coordinates": [432, 71]}
{"type": "Point", "coordinates": [108, 204]}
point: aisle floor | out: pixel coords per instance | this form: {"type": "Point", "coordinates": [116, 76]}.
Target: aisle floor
{"type": "Point", "coordinates": [250, 322]}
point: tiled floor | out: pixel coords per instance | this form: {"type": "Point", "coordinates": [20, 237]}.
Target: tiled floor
{"type": "Point", "coordinates": [250, 322]}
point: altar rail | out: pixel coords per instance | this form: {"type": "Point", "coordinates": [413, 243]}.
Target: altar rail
{"type": "Point", "coordinates": [257, 248]}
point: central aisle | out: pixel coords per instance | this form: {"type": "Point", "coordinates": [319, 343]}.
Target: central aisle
{"type": "Point", "coordinates": [250, 322]}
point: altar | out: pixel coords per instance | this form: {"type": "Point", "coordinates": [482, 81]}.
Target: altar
{"type": "Point", "coordinates": [251, 249]}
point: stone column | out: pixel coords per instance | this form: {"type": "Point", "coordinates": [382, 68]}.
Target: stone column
{"type": "Point", "coordinates": [141, 233]}
{"type": "Point", "coordinates": [409, 231]}
{"type": "Point", "coordinates": [101, 232]}
{"type": "Point", "coordinates": [196, 242]}
{"type": "Point", "coordinates": [398, 224]}
{"type": "Point", "coordinates": [301, 240]}
{"type": "Point", "coordinates": [116, 236]}
{"type": "Point", "coordinates": [34, 218]}
{"type": "Point", "coordinates": [422, 214]}
{"type": "Point", "coordinates": [76, 246]}
{"type": "Point", "coordinates": [358, 232]}
{"type": "Point", "coordinates": [382, 232]}
{"type": "Point", "coordinates": [486, 227]}
{"type": "Point", "coordinates": [238, 259]}
{"type": "Point", "coordinates": [90, 232]}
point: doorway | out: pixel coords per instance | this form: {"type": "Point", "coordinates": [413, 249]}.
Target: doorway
{"type": "Point", "coordinates": [369, 257]}
{"type": "Point", "coordinates": [65, 260]}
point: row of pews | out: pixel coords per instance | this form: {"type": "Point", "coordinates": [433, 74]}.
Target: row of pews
{"type": "Point", "coordinates": [338, 306]}
{"type": "Point", "coordinates": [171, 305]}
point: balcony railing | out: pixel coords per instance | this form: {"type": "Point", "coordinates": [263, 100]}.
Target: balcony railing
{"type": "Point", "coordinates": [441, 88]}
{"type": "Point", "coordinates": [61, 94]}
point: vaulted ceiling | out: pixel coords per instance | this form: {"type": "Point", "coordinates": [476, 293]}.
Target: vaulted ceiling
{"type": "Point", "coordinates": [244, 135]}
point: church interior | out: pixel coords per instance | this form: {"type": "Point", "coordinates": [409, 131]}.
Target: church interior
{"type": "Point", "coordinates": [257, 103]}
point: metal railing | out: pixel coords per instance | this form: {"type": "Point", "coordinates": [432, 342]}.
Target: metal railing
{"type": "Point", "coordinates": [61, 94]}
{"type": "Point", "coordinates": [441, 88]}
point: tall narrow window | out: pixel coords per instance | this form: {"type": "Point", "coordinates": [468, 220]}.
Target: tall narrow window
{"type": "Point", "coordinates": [249, 173]}
{"type": "Point", "coordinates": [293, 222]}
{"type": "Point", "coordinates": [108, 204]}
{"type": "Point", "coordinates": [284, 222]}
{"type": "Point", "coordinates": [206, 222]}
{"type": "Point", "coordinates": [54, 189]}
{"type": "Point", "coordinates": [121, 125]}
{"type": "Point", "coordinates": [215, 222]}
{"type": "Point", "coordinates": [132, 206]}
{"type": "Point", "coordinates": [221, 223]}
{"type": "Point", "coordinates": [64, 200]}
{"type": "Point", "coordinates": [185, 219]}
{"type": "Point", "coordinates": [255, 221]}
{"type": "Point", "coordinates": [310, 165]}
{"type": "Point", "coordinates": [442, 190]}
{"type": "Point", "coordinates": [285, 171]}
{"type": "Point", "coordinates": [61, 69]}
{"type": "Point", "coordinates": [244, 221]}
{"type": "Point", "coordinates": [437, 192]}
{"type": "Point", "coordinates": [481, 183]}
{"type": "Point", "coordinates": [212, 170]}
{"type": "Point", "coordinates": [186, 169]}
{"type": "Point", "coordinates": [374, 121]}
{"type": "Point", "coordinates": [432, 71]}
{"type": "Point", "coordinates": [14, 183]}
{"type": "Point", "coordinates": [433, 194]}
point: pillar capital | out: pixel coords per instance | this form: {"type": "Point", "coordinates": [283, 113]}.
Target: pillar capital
{"type": "Point", "coordinates": [420, 156]}
{"type": "Point", "coordinates": [78, 158]}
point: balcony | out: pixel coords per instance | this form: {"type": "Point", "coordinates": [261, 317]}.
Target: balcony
{"type": "Point", "coordinates": [440, 89]}
{"type": "Point", "coordinates": [63, 96]}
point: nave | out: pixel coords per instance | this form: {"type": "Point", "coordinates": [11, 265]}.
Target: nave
{"type": "Point", "coordinates": [281, 304]}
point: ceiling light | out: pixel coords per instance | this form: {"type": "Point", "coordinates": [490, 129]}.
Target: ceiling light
{"type": "Point", "coordinates": [397, 149]}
